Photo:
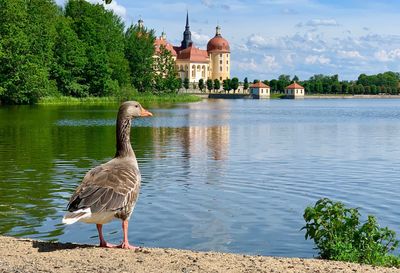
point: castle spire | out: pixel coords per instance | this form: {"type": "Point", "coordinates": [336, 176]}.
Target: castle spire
{"type": "Point", "coordinates": [218, 31]}
{"type": "Point", "coordinates": [187, 35]}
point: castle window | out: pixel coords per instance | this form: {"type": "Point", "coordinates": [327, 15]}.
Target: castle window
{"type": "Point", "coordinates": [220, 68]}
{"type": "Point", "coordinates": [220, 61]}
{"type": "Point", "coordinates": [220, 55]}
{"type": "Point", "coordinates": [227, 62]}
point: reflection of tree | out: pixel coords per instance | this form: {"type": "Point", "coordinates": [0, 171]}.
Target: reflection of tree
{"type": "Point", "coordinates": [26, 154]}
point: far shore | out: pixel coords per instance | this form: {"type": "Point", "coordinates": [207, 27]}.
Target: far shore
{"type": "Point", "coordinates": [25, 255]}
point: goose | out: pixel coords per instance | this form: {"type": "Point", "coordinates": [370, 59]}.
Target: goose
{"type": "Point", "coordinates": [111, 190]}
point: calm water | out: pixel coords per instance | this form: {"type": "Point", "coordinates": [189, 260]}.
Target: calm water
{"type": "Point", "coordinates": [224, 175]}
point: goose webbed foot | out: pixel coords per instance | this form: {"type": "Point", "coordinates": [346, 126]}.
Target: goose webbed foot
{"type": "Point", "coordinates": [126, 245]}
{"type": "Point", "coordinates": [107, 245]}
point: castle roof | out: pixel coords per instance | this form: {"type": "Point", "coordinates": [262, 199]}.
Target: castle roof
{"type": "Point", "coordinates": [162, 42]}
{"type": "Point", "coordinates": [193, 54]}
{"type": "Point", "coordinates": [295, 85]}
{"type": "Point", "coordinates": [218, 43]}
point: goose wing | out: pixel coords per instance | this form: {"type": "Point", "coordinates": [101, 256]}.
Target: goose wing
{"type": "Point", "coordinates": [108, 187]}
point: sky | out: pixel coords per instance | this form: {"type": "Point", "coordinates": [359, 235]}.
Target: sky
{"type": "Point", "coordinates": [273, 37]}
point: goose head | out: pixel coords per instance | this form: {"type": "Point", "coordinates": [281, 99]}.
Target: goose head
{"type": "Point", "coordinates": [132, 109]}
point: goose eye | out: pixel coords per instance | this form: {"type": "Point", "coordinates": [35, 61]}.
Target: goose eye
{"type": "Point", "coordinates": [137, 106]}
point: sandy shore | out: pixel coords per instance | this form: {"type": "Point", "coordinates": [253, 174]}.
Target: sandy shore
{"type": "Point", "coordinates": [21, 255]}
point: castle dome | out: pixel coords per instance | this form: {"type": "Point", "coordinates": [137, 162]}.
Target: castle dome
{"type": "Point", "coordinates": [218, 44]}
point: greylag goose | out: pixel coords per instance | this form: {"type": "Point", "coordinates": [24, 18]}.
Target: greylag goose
{"type": "Point", "coordinates": [110, 190]}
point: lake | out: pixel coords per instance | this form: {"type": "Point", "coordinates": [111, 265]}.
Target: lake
{"type": "Point", "coordinates": [222, 175]}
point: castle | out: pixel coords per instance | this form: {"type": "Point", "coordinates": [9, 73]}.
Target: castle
{"type": "Point", "coordinates": [195, 63]}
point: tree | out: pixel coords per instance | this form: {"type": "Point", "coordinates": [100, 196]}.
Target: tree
{"type": "Point", "coordinates": [23, 79]}
{"type": "Point", "coordinates": [165, 74]}
{"type": "Point", "coordinates": [226, 85]}
{"type": "Point", "coordinates": [186, 83]}
{"type": "Point", "coordinates": [201, 85]}
{"type": "Point", "coordinates": [139, 52]}
{"type": "Point", "coordinates": [283, 82]}
{"type": "Point", "coordinates": [217, 84]}
{"type": "Point", "coordinates": [295, 79]}
{"type": "Point", "coordinates": [103, 33]}
{"type": "Point", "coordinates": [274, 85]}
{"type": "Point", "coordinates": [234, 84]}
{"type": "Point", "coordinates": [336, 88]}
{"type": "Point", "coordinates": [69, 61]}
{"type": "Point", "coordinates": [209, 84]}
{"type": "Point", "coordinates": [245, 84]}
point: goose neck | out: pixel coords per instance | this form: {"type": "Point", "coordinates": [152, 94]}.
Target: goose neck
{"type": "Point", "coordinates": [124, 147]}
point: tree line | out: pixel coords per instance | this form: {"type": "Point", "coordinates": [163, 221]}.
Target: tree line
{"type": "Point", "coordinates": [79, 50]}
{"type": "Point", "coordinates": [383, 83]}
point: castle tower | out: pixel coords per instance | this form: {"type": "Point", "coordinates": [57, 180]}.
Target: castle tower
{"type": "Point", "coordinates": [187, 35]}
{"type": "Point", "coordinates": [219, 52]}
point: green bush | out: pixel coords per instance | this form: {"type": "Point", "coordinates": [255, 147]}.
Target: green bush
{"type": "Point", "coordinates": [339, 235]}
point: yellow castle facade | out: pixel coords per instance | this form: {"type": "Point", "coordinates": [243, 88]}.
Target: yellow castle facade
{"type": "Point", "coordinates": [195, 63]}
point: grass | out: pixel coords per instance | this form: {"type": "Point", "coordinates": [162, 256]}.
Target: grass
{"type": "Point", "coordinates": [276, 96]}
{"type": "Point", "coordinates": [144, 98]}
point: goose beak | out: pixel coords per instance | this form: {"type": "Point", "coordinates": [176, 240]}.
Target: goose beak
{"type": "Point", "coordinates": [146, 113]}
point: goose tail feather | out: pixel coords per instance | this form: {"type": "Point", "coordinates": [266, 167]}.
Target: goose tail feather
{"type": "Point", "coordinates": [74, 216]}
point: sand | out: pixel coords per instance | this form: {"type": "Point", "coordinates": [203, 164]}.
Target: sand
{"type": "Point", "coordinates": [23, 255]}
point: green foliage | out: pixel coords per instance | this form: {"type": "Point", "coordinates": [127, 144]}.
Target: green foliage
{"type": "Point", "coordinates": [209, 84]}
{"type": "Point", "coordinates": [139, 52]}
{"type": "Point", "coordinates": [165, 78]}
{"type": "Point", "coordinates": [226, 85]}
{"type": "Point", "coordinates": [339, 235]}
{"type": "Point", "coordinates": [69, 61]}
{"type": "Point", "coordinates": [217, 84]}
{"type": "Point", "coordinates": [201, 85]}
{"type": "Point", "coordinates": [245, 84]}
{"type": "Point", "coordinates": [186, 83]}
{"type": "Point", "coordinates": [102, 32]}
{"type": "Point", "coordinates": [24, 61]}
{"type": "Point", "coordinates": [234, 84]}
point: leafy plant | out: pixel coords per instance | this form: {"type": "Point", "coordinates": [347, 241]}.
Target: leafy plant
{"type": "Point", "coordinates": [339, 235]}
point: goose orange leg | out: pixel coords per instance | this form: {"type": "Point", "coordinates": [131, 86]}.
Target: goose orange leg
{"type": "Point", "coordinates": [103, 242]}
{"type": "Point", "coordinates": [125, 243]}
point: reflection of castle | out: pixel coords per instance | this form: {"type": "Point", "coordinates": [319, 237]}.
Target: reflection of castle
{"type": "Point", "coordinates": [195, 63]}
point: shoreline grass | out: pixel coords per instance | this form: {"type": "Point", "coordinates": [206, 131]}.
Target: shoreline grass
{"type": "Point", "coordinates": [144, 98]}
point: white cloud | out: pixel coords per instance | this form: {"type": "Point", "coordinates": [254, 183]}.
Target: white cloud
{"type": "Point", "coordinates": [270, 63]}
{"type": "Point", "coordinates": [265, 65]}
{"type": "Point", "coordinates": [200, 39]}
{"type": "Point", "coordinates": [257, 40]}
{"type": "Point", "coordinates": [319, 22]}
{"type": "Point", "coordinates": [317, 59]}
{"type": "Point", "coordinates": [387, 55]}
{"type": "Point", "coordinates": [350, 54]}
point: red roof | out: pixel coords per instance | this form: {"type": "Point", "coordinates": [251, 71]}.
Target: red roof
{"type": "Point", "coordinates": [259, 85]}
{"type": "Point", "coordinates": [161, 42]}
{"type": "Point", "coordinates": [193, 54]}
{"type": "Point", "coordinates": [218, 44]}
{"type": "Point", "coordinates": [295, 85]}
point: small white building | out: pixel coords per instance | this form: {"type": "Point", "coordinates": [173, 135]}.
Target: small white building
{"type": "Point", "coordinates": [260, 90]}
{"type": "Point", "coordinates": [294, 91]}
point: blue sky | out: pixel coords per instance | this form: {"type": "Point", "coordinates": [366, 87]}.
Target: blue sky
{"type": "Point", "coordinates": [273, 37]}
